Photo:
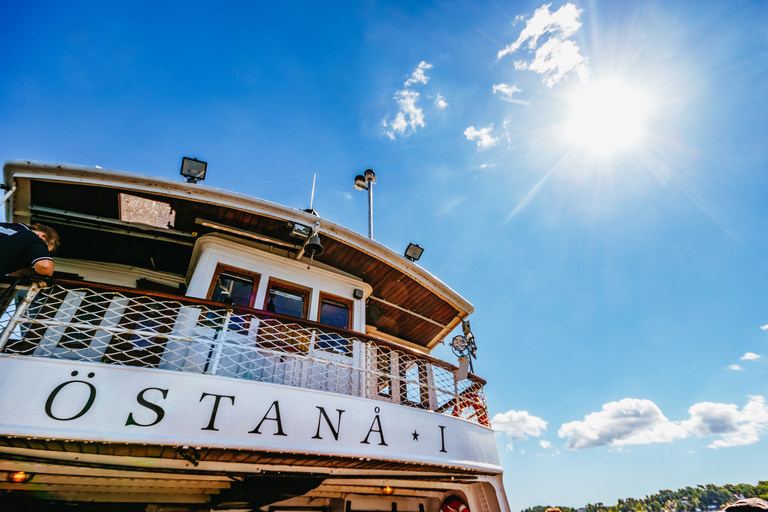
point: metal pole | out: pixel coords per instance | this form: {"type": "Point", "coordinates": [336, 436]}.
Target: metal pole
{"type": "Point", "coordinates": [370, 208]}
{"type": "Point", "coordinates": [7, 195]}
{"type": "Point", "coordinates": [20, 310]}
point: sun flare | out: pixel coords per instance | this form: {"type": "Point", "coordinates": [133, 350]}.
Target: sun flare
{"type": "Point", "coordinates": [607, 117]}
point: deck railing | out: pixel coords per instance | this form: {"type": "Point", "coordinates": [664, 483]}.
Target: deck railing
{"type": "Point", "coordinates": [112, 325]}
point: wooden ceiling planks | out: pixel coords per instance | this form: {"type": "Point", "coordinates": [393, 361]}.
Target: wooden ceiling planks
{"type": "Point", "coordinates": [388, 283]}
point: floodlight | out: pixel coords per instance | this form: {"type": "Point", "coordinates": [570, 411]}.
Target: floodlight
{"type": "Point", "coordinates": [413, 252]}
{"type": "Point", "coordinates": [193, 169]}
{"type": "Point", "coordinates": [365, 181]}
{"type": "Point", "coordinates": [360, 182]}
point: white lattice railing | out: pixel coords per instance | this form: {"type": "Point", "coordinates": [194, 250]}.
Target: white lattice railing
{"type": "Point", "coordinates": [118, 326]}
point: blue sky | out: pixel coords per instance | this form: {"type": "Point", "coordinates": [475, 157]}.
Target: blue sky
{"type": "Point", "coordinates": [620, 289]}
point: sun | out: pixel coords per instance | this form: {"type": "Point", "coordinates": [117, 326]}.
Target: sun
{"type": "Point", "coordinates": [607, 117]}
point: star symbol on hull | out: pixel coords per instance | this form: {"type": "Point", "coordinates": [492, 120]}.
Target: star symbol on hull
{"type": "Point", "coordinates": [415, 435]}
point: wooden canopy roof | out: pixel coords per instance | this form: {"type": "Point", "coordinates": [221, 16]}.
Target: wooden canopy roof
{"type": "Point", "coordinates": [82, 204]}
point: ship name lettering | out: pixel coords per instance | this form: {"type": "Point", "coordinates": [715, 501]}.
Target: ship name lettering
{"type": "Point", "coordinates": [86, 407]}
{"type": "Point", "coordinates": [376, 421]}
{"type": "Point", "coordinates": [215, 410]}
{"type": "Point", "coordinates": [266, 417]}
{"type": "Point", "coordinates": [334, 431]}
{"type": "Point", "coordinates": [442, 438]}
{"type": "Point", "coordinates": [159, 411]}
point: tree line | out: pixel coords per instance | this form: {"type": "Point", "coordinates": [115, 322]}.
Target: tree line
{"type": "Point", "coordinates": [702, 498]}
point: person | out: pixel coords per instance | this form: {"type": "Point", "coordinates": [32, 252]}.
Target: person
{"type": "Point", "coordinates": [24, 246]}
{"type": "Point", "coordinates": [748, 505]}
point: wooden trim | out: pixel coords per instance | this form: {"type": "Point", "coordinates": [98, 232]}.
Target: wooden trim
{"type": "Point", "coordinates": [349, 303]}
{"type": "Point", "coordinates": [221, 268]}
{"type": "Point", "coordinates": [292, 287]}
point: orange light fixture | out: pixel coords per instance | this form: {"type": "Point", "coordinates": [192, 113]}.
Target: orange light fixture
{"type": "Point", "coordinates": [19, 477]}
{"type": "Point", "coordinates": [387, 491]}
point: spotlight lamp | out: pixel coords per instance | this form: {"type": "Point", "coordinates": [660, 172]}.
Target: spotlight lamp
{"type": "Point", "coordinates": [365, 181]}
{"type": "Point", "coordinates": [413, 252]}
{"type": "Point", "coordinates": [193, 169]}
{"type": "Point", "coordinates": [360, 182]}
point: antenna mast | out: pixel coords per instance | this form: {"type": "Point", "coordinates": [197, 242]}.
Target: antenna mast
{"type": "Point", "coordinates": [312, 197]}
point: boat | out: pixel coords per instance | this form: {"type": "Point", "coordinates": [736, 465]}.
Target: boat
{"type": "Point", "coordinates": [199, 349]}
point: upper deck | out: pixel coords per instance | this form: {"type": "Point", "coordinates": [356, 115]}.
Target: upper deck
{"type": "Point", "coordinates": [198, 333]}
{"type": "Point", "coordinates": [402, 302]}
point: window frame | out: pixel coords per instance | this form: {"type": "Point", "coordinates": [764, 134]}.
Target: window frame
{"type": "Point", "coordinates": [291, 287]}
{"type": "Point", "coordinates": [222, 268]}
{"type": "Point", "coordinates": [350, 307]}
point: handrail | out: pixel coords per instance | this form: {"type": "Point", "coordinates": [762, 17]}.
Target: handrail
{"type": "Point", "coordinates": [67, 283]}
{"type": "Point", "coordinates": [126, 326]}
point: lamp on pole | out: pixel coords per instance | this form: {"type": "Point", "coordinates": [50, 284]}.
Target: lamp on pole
{"type": "Point", "coordinates": [365, 181]}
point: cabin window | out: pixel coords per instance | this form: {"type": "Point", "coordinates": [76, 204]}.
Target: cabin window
{"type": "Point", "coordinates": [146, 211]}
{"type": "Point", "coordinates": [233, 286]}
{"type": "Point", "coordinates": [334, 311]}
{"type": "Point", "coordinates": [286, 299]}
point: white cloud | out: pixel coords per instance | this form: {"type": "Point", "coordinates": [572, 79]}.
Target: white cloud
{"type": "Point", "coordinates": [734, 367]}
{"type": "Point", "coordinates": [418, 76]}
{"type": "Point", "coordinates": [750, 356]}
{"type": "Point", "coordinates": [409, 114]}
{"type": "Point", "coordinates": [505, 89]}
{"type": "Point", "coordinates": [518, 425]}
{"type": "Point", "coordinates": [628, 421]}
{"type": "Point", "coordinates": [545, 444]}
{"type": "Point", "coordinates": [440, 102]}
{"type": "Point", "coordinates": [764, 327]}
{"type": "Point", "coordinates": [483, 136]}
{"type": "Point", "coordinates": [557, 55]}
{"type": "Point", "coordinates": [735, 427]}
{"type": "Point", "coordinates": [635, 421]}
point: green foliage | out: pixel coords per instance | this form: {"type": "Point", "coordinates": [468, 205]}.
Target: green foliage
{"type": "Point", "coordinates": [702, 498]}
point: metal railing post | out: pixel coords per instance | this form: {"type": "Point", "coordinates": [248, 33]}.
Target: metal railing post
{"type": "Point", "coordinates": [221, 335]}
{"type": "Point", "coordinates": [14, 321]}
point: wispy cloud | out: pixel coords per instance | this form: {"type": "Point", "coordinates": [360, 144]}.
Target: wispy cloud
{"type": "Point", "coordinates": [628, 421]}
{"type": "Point", "coordinates": [734, 367]}
{"type": "Point", "coordinates": [545, 444]}
{"type": "Point", "coordinates": [440, 102]}
{"type": "Point", "coordinates": [518, 425]}
{"type": "Point", "coordinates": [418, 76]}
{"type": "Point", "coordinates": [547, 33]}
{"type": "Point", "coordinates": [409, 115]}
{"type": "Point", "coordinates": [764, 327]}
{"type": "Point", "coordinates": [507, 91]}
{"type": "Point", "coordinates": [735, 427]}
{"type": "Point", "coordinates": [750, 356]}
{"type": "Point", "coordinates": [635, 421]}
{"type": "Point", "coordinates": [483, 136]}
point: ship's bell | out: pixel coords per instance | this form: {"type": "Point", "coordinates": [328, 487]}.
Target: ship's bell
{"type": "Point", "coordinates": [313, 247]}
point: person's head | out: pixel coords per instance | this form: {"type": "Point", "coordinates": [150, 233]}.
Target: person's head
{"type": "Point", "coordinates": [49, 236]}
{"type": "Point", "coordinates": [748, 505]}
